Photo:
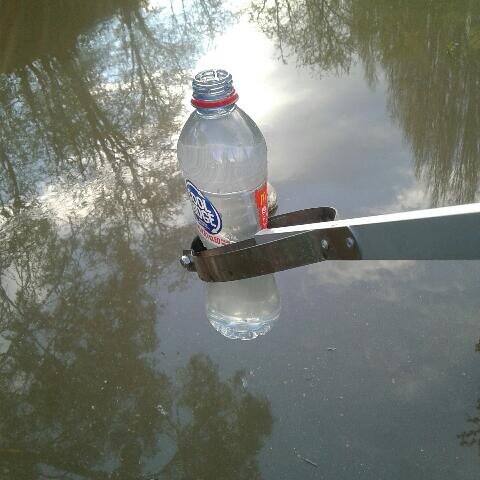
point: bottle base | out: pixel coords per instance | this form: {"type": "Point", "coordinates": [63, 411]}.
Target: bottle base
{"type": "Point", "coordinates": [245, 329]}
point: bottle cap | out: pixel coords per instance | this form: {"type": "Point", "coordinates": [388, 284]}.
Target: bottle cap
{"type": "Point", "coordinates": [213, 89]}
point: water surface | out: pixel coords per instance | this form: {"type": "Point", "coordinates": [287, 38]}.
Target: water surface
{"type": "Point", "coordinates": [108, 366]}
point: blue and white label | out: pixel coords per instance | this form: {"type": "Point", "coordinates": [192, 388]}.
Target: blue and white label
{"type": "Point", "coordinates": [204, 211]}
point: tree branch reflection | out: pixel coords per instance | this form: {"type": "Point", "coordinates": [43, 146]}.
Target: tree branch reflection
{"type": "Point", "coordinates": [90, 202]}
{"type": "Point", "coordinates": [107, 95]}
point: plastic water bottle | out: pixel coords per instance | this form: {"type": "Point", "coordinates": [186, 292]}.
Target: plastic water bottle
{"type": "Point", "coordinates": [223, 157]}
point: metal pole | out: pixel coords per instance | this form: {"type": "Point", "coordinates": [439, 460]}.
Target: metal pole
{"type": "Point", "coordinates": [449, 233]}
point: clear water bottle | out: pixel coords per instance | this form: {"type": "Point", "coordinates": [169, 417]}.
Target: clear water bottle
{"type": "Point", "coordinates": [223, 157]}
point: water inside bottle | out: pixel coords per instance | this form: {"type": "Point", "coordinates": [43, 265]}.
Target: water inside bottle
{"type": "Point", "coordinates": [239, 215]}
{"type": "Point", "coordinates": [243, 309]}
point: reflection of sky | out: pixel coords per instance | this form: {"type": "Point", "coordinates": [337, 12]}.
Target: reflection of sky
{"type": "Point", "coordinates": [255, 79]}
{"type": "Point", "coordinates": [330, 135]}
{"type": "Point", "coordinates": [371, 369]}
{"type": "Point", "coordinates": [389, 401]}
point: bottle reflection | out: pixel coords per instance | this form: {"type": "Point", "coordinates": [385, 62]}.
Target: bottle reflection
{"type": "Point", "coordinates": [243, 309]}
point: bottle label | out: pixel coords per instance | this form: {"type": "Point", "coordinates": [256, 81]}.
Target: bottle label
{"type": "Point", "coordinates": [206, 214]}
{"type": "Point", "coordinates": [216, 239]}
{"type": "Point", "coordinates": [261, 199]}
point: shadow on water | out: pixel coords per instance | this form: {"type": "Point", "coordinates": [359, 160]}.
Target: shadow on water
{"type": "Point", "coordinates": [90, 97]}
{"type": "Point", "coordinates": [429, 53]}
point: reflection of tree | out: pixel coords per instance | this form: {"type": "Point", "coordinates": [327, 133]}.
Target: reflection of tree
{"type": "Point", "coordinates": [227, 427]}
{"type": "Point", "coordinates": [69, 104]}
{"type": "Point", "coordinates": [32, 30]}
{"type": "Point", "coordinates": [429, 52]}
{"type": "Point", "coordinates": [316, 31]}
{"type": "Point", "coordinates": [89, 100]}
{"type": "Point", "coordinates": [92, 114]}
{"type": "Point", "coordinates": [74, 374]}
{"type": "Point", "coordinates": [432, 64]}
{"type": "Point", "coordinates": [471, 437]}
{"type": "Point", "coordinates": [80, 393]}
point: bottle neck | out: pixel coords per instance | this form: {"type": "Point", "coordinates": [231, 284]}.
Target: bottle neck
{"type": "Point", "coordinates": [216, 112]}
{"type": "Point", "coordinates": [213, 93]}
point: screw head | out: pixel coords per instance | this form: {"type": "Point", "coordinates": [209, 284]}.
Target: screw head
{"type": "Point", "coordinates": [350, 242]}
{"type": "Point", "coordinates": [324, 244]}
{"type": "Point", "coordinates": [185, 260]}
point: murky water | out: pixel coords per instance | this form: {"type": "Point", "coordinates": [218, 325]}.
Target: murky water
{"type": "Point", "coordinates": [108, 366]}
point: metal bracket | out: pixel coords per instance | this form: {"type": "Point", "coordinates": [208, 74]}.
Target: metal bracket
{"type": "Point", "coordinates": [248, 259]}
{"type": "Point", "coordinates": [309, 236]}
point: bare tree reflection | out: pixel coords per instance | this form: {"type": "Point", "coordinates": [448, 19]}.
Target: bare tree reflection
{"type": "Point", "coordinates": [315, 31]}
{"type": "Point", "coordinates": [90, 96]}
{"type": "Point", "coordinates": [429, 52]}
{"type": "Point", "coordinates": [74, 101]}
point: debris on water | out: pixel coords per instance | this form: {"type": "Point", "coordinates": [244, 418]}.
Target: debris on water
{"type": "Point", "coordinates": [331, 349]}
{"type": "Point", "coordinates": [252, 373]}
{"type": "Point", "coordinates": [160, 408]}
{"type": "Point", "coordinates": [305, 459]}
{"type": "Point", "coordinates": [244, 382]}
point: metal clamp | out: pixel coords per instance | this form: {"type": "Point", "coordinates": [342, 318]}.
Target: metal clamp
{"type": "Point", "coordinates": [309, 236]}
{"type": "Point", "coordinates": [249, 258]}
